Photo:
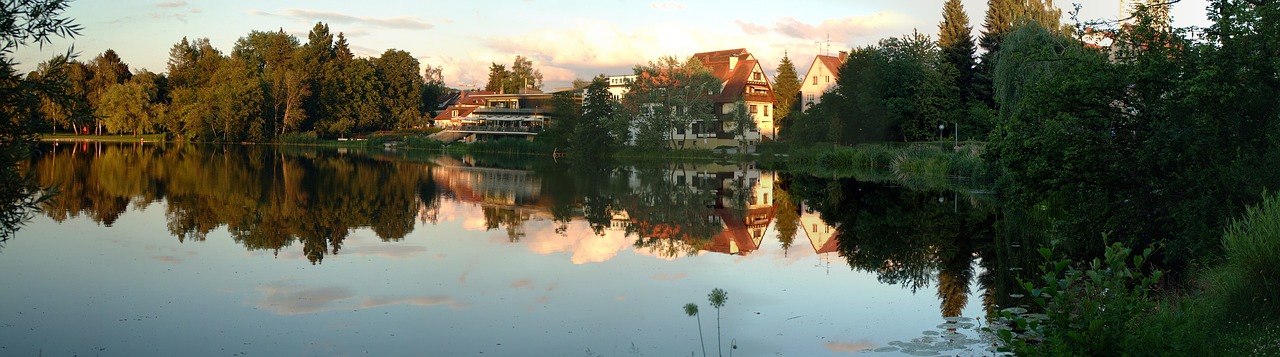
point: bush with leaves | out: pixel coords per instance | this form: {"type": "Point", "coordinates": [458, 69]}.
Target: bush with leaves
{"type": "Point", "coordinates": [1086, 308]}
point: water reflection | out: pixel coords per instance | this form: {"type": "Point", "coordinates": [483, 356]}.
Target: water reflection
{"type": "Point", "coordinates": [270, 198]}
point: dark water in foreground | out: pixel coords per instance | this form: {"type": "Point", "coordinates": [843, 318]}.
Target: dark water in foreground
{"type": "Point", "coordinates": [259, 250]}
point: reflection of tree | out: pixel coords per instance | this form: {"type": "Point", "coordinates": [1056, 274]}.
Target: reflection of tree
{"type": "Point", "coordinates": [671, 218]}
{"type": "Point", "coordinates": [788, 217]}
{"type": "Point", "coordinates": [267, 198]}
{"type": "Point", "coordinates": [904, 236]}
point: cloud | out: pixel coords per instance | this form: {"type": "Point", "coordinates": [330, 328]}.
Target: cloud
{"type": "Point", "coordinates": [667, 6]}
{"type": "Point", "coordinates": [178, 3]}
{"type": "Point", "coordinates": [840, 30]}
{"type": "Point", "coordinates": [750, 28]}
{"type": "Point", "coordinates": [394, 22]}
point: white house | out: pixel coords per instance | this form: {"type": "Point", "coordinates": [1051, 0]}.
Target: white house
{"type": "Point", "coordinates": [821, 77]}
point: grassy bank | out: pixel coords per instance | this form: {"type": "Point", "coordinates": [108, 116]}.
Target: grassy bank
{"type": "Point", "coordinates": [103, 138]}
{"type": "Point", "coordinates": [1111, 307]}
{"type": "Point", "coordinates": [921, 166]}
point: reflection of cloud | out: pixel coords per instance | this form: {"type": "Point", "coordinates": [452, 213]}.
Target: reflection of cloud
{"type": "Point", "coordinates": [395, 22]}
{"type": "Point", "coordinates": [167, 259]}
{"type": "Point", "coordinates": [523, 284]}
{"type": "Point", "coordinates": [393, 251]}
{"type": "Point", "coordinates": [846, 347]}
{"type": "Point", "coordinates": [178, 3]}
{"type": "Point", "coordinates": [284, 299]}
{"type": "Point", "coordinates": [668, 277]}
{"type": "Point", "coordinates": [414, 301]}
{"type": "Point", "coordinates": [578, 239]}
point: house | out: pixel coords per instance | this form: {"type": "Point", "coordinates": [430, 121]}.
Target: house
{"type": "Point", "coordinates": [822, 75]}
{"type": "Point", "coordinates": [482, 115]}
{"type": "Point", "coordinates": [743, 79]}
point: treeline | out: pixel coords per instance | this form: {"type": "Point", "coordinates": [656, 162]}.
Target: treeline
{"type": "Point", "coordinates": [270, 85]}
{"type": "Point", "coordinates": [1138, 131]}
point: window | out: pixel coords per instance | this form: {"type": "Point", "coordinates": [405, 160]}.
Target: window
{"type": "Point", "coordinates": [828, 79]}
{"type": "Point", "coordinates": [766, 109]}
{"type": "Point", "coordinates": [815, 79]}
{"type": "Point", "coordinates": [755, 76]}
{"type": "Point", "coordinates": [753, 109]}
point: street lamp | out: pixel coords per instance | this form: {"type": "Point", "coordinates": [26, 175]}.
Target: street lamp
{"type": "Point", "coordinates": [940, 127]}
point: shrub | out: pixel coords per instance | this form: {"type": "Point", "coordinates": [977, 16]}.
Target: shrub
{"type": "Point", "coordinates": [1250, 279]}
{"type": "Point", "coordinates": [1087, 309]}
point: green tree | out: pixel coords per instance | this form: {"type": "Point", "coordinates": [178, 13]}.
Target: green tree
{"type": "Point", "coordinates": [669, 100]}
{"type": "Point", "coordinates": [433, 88]}
{"type": "Point", "coordinates": [108, 70]}
{"type": "Point", "coordinates": [271, 57]}
{"type": "Point", "coordinates": [316, 55]}
{"type": "Point", "coordinates": [522, 76]}
{"type": "Point", "coordinates": [397, 72]}
{"type": "Point", "coordinates": [125, 108]}
{"type": "Point", "coordinates": [1002, 17]}
{"type": "Point", "coordinates": [591, 137]}
{"type": "Point", "coordinates": [26, 22]}
{"type": "Point", "coordinates": [72, 110]}
{"type": "Point", "coordinates": [497, 78]}
{"type": "Point", "coordinates": [786, 90]}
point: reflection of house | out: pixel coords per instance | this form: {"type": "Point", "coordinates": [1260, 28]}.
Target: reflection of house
{"type": "Point", "coordinates": [821, 235]}
{"type": "Point", "coordinates": [484, 115]}
{"type": "Point", "coordinates": [821, 76]}
{"type": "Point", "coordinates": [742, 207]}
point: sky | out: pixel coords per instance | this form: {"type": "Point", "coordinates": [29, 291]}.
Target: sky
{"type": "Point", "coordinates": [566, 40]}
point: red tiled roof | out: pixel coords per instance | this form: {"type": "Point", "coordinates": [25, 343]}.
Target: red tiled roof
{"type": "Point", "coordinates": [833, 64]}
{"type": "Point", "coordinates": [735, 79]}
{"type": "Point", "coordinates": [447, 113]}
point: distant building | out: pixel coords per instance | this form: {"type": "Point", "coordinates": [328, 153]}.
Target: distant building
{"type": "Point", "coordinates": [482, 115]}
{"type": "Point", "coordinates": [620, 85]}
{"type": "Point", "coordinates": [822, 75]}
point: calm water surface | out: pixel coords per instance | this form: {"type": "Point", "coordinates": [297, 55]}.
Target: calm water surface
{"type": "Point", "coordinates": [258, 250]}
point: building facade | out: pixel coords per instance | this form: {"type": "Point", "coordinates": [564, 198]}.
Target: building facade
{"type": "Point", "coordinates": [821, 77]}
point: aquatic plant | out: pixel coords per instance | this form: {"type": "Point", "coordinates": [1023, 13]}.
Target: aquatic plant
{"type": "Point", "coordinates": [717, 298]}
{"type": "Point", "coordinates": [691, 309]}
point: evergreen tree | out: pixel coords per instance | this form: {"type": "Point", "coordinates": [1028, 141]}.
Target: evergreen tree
{"type": "Point", "coordinates": [497, 78]}
{"type": "Point", "coordinates": [786, 90]}
{"type": "Point", "coordinates": [591, 137]}
{"type": "Point", "coordinates": [955, 39]}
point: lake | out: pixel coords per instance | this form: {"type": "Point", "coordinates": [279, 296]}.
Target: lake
{"type": "Point", "coordinates": [185, 249]}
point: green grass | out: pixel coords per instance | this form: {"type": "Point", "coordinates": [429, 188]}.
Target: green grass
{"type": "Point", "coordinates": [920, 166]}
{"type": "Point", "coordinates": [105, 138]}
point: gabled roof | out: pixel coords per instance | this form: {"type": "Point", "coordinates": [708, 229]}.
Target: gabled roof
{"type": "Point", "coordinates": [447, 113]}
{"type": "Point", "coordinates": [735, 79]}
{"type": "Point", "coordinates": [832, 63]}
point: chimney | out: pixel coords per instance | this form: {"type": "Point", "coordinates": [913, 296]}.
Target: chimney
{"type": "Point", "coordinates": [733, 61]}
{"type": "Point", "coordinates": [844, 56]}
